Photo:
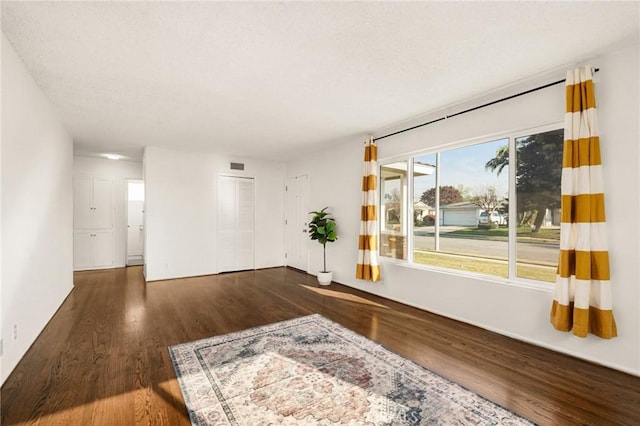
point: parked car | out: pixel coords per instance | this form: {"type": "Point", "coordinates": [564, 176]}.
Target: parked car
{"type": "Point", "coordinates": [496, 218]}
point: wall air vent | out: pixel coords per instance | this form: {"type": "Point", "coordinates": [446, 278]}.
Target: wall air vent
{"type": "Point", "coordinates": [237, 166]}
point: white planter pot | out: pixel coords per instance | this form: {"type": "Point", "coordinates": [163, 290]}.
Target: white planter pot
{"type": "Point", "coordinates": [324, 278]}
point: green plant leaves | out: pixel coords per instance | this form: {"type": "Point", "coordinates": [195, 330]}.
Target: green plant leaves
{"type": "Point", "coordinates": [322, 227]}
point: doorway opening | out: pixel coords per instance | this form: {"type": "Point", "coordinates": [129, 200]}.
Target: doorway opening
{"type": "Point", "coordinates": [135, 222]}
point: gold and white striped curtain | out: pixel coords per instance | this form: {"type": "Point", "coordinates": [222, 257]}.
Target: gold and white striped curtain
{"type": "Point", "coordinates": [368, 267]}
{"type": "Point", "coordinates": [582, 300]}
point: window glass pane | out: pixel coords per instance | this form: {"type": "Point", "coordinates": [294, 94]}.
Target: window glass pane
{"type": "Point", "coordinates": [538, 178]}
{"type": "Point", "coordinates": [424, 204]}
{"type": "Point", "coordinates": [393, 205]}
{"type": "Point", "coordinates": [472, 234]}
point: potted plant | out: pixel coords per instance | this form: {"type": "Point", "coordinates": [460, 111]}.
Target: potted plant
{"type": "Point", "coordinates": [322, 228]}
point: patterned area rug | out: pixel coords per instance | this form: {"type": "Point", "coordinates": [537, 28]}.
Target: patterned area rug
{"type": "Point", "coordinates": [311, 370]}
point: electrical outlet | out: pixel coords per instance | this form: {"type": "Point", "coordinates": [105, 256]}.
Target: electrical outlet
{"type": "Point", "coordinates": [15, 331]}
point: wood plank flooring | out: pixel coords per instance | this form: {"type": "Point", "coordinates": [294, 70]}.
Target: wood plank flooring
{"type": "Point", "coordinates": [103, 359]}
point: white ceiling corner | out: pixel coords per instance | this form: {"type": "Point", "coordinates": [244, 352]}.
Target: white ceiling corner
{"type": "Point", "coordinates": [273, 79]}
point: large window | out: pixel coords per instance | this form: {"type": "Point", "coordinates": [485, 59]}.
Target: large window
{"type": "Point", "coordinates": [468, 211]}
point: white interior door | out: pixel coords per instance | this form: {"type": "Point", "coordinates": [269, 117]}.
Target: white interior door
{"type": "Point", "coordinates": [102, 203]}
{"type": "Point", "coordinates": [244, 224]}
{"type": "Point", "coordinates": [82, 202]}
{"type": "Point", "coordinates": [82, 249]}
{"type": "Point", "coordinates": [135, 221]}
{"type": "Point", "coordinates": [236, 222]}
{"type": "Point", "coordinates": [297, 220]}
{"type": "Point", "coordinates": [102, 248]}
{"type": "Point", "coordinates": [135, 228]}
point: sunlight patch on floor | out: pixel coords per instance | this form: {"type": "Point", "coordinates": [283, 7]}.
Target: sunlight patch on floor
{"type": "Point", "coordinates": [344, 296]}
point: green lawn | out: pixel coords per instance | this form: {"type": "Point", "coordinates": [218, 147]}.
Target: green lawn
{"type": "Point", "coordinates": [490, 267]}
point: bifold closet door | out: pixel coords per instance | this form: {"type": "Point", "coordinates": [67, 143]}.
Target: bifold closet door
{"type": "Point", "coordinates": [236, 221]}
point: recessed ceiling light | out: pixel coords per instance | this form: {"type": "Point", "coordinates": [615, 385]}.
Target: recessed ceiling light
{"type": "Point", "coordinates": [113, 156]}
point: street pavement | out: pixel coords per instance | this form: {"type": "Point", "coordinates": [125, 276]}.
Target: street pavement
{"type": "Point", "coordinates": [536, 252]}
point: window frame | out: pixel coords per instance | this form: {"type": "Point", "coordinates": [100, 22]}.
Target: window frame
{"type": "Point", "coordinates": [511, 135]}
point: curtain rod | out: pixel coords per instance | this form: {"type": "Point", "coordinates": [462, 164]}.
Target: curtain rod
{"type": "Point", "coordinates": [526, 92]}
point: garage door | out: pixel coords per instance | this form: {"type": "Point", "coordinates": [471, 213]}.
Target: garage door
{"type": "Point", "coordinates": [459, 218]}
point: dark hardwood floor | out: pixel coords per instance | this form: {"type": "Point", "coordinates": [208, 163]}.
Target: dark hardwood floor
{"type": "Point", "coordinates": [103, 359]}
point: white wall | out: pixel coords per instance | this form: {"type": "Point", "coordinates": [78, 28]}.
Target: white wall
{"type": "Point", "coordinates": [1, 316]}
{"type": "Point", "coordinates": [508, 309]}
{"type": "Point", "coordinates": [119, 171]}
{"type": "Point", "coordinates": [37, 214]}
{"type": "Point", "coordinates": [181, 211]}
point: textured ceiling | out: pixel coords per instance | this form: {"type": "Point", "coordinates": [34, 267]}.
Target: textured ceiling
{"type": "Point", "coordinates": [272, 80]}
